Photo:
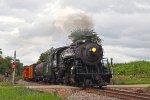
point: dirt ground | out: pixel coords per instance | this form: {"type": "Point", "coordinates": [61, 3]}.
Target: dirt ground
{"type": "Point", "coordinates": [63, 91]}
{"type": "Point", "coordinates": [66, 91]}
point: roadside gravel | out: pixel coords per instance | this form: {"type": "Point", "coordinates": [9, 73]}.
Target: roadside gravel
{"type": "Point", "coordinates": [82, 95]}
{"type": "Point", "coordinates": [72, 93]}
{"type": "Point", "coordinates": [26, 83]}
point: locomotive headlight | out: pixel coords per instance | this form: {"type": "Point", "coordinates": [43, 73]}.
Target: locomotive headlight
{"type": "Point", "coordinates": [94, 49]}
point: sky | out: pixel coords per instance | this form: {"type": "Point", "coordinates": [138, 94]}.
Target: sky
{"type": "Point", "coordinates": [33, 26]}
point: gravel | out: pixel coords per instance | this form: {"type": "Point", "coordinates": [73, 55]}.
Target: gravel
{"type": "Point", "coordinates": [28, 83]}
{"type": "Point", "coordinates": [66, 92]}
{"type": "Point", "coordinates": [81, 95]}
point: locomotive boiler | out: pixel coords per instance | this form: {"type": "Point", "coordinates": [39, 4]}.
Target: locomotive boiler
{"type": "Point", "coordinates": [80, 64]}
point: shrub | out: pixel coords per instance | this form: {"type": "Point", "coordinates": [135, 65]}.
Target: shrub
{"type": "Point", "coordinates": [6, 84]}
{"type": "Point", "coordinates": [22, 93]}
{"type": "Point", "coordinates": [137, 68]}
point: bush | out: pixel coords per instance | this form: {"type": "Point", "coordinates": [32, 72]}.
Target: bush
{"type": "Point", "coordinates": [148, 87]}
{"type": "Point", "coordinates": [137, 72]}
{"type": "Point", "coordinates": [1, 78]}
{"type": "Point", "coordinates": [6, 84]}
{"type": "Point", "coordinates": [22, 93]}
{"type": "Point", "coordinates": [135, 69]}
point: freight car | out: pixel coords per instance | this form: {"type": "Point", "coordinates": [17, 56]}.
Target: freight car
{"type": "Point", "coordinates": [29, 72]}
{"type": "Point", "coordinates": [25, 72]}
{"type": "Point", "coordinates": [80, 64]}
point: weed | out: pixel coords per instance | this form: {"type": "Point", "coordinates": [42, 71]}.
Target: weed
{"type": "Point", "coordinates": [137, 72]}
{"type": "Point", "coordinates": [22, 93]}
{"type": "Point", "coordinates": [148, 87]}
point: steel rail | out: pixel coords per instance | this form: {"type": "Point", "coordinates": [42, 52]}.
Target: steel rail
{"type": "Point", "coordinates": [127, 95]}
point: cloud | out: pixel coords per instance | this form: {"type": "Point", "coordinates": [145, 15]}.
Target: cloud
{"type": "Point", "coordinates": [126, 54]}
{"type": "Point", "coordinates": [119, 6]}
{"type": "Point", "coordinates": [26, 4]}
{"type": "Point", "coordinates": [129, 30]}
{"type": "Point", "coordinates": [33, 26]}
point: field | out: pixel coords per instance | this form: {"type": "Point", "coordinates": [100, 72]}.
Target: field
{"type": "Point", "coordinates": [137, 72]}
{"type": "Point", "coordinates": [128, 73]}
{"type": "Point", "coordinates": [10, 92]}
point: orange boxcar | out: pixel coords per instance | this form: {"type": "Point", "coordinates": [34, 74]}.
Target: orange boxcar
{"type": "Point", "coordinates": [31, 72]}
{"type": "Point", "coordinates": [26, 72]}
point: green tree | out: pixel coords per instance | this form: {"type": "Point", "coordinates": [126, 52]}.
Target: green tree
{"type": "Point", "coordinates": [44, 56]}
{"type": "Point", "coordinates": [6, 65]}
{"type": "Point", "coordinates": [1, 61]}
{"type": "Point", "coordinates": [81, 34]}
{"type": "Point", "coordinates": [1, 52]}
{"type": "Point", "coordinates": [19, 67]}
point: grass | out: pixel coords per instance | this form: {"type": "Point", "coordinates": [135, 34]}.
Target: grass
{"type": "Point", "coordinates": [6, 84]}
{"type": "Point", "coordinates": [137, 72]}
{"type": "Point", "coordinates": [125, 80]}
{"type": "Point", "coordinates": [136, 68]}
{"type": "Point", "coordinates": [9, 92]}
{"type": "Point", "coordinates": [148, 88]}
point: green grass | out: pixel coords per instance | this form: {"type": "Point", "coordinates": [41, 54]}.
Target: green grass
{"type": "Point", "coordinates": [137, 72]}
{"type": "Point", "coordinates": [148, 88]}
{"type": "Point", "coordinates": [124, 80]}
{"type": "Point", "coordinates": [6, 84]}
{"type": "Point", "coordinates": [136, 68]}
{"type": "Point", "coordinates": [21, 93]}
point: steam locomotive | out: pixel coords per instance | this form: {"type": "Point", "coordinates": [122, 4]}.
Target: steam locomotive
{"type": "Point", "coordinates": [80, 64]}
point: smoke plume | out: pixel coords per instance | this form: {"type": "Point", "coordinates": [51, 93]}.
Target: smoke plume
{"type": "Point", "coordinates": [70, 22]}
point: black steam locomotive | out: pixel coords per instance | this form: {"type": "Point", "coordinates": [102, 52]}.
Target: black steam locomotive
{"type": "Point", "coordinates": [80, 64]}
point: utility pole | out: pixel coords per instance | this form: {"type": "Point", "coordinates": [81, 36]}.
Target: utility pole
{"type": "Point", "coordinates": [112, 70]}
{"type": "Point", "coordinates": [13, 67]}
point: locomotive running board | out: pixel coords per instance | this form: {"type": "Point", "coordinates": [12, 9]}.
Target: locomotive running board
{"type": "Point", "coordinates": [93, 74]}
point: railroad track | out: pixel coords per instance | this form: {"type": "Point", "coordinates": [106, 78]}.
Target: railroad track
{"type": "Point", "coordinates": [122, 94]}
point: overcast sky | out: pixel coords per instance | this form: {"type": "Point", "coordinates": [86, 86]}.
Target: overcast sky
{"type": "Point", "coordinates": [32, 26]}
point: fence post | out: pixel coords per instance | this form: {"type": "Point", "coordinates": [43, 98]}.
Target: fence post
{"type": "Point", "coordinates": [112, 70]}
{"type": "Point", "coordinates": [14, 67]}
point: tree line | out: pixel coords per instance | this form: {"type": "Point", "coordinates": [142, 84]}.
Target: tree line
{"type": "Point", "coordinates": [6, 65]}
